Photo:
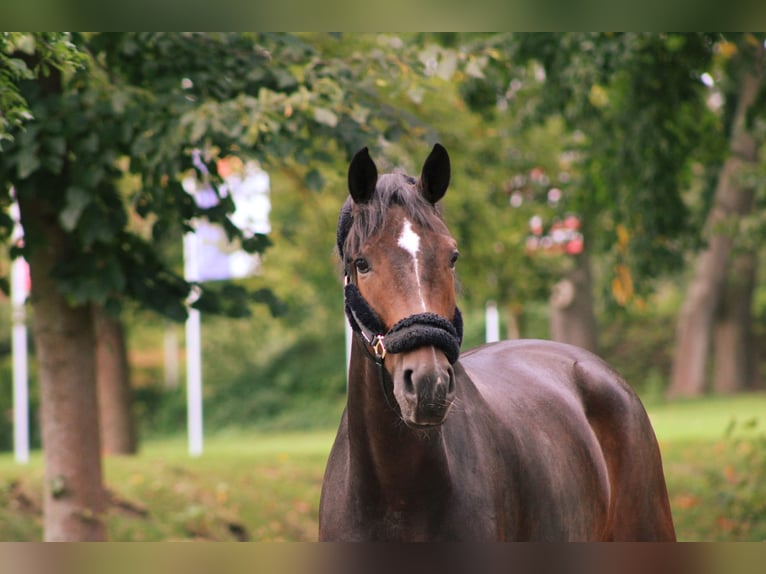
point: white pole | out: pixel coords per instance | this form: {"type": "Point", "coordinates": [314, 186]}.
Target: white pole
{"type": "Point", "coordinates": [492, 325]}
{"type": "Point", "coordinates": [19, 292]}
{"type": "Point", "coordinates": [19, 275]}
{"type": "Point", "coordinates": [194, 382]}
{"type": "Point", "coordinates": [193, 354]}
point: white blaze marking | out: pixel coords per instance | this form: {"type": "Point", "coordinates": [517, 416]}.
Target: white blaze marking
{"type": "Point", "coordinates": [410, 242]}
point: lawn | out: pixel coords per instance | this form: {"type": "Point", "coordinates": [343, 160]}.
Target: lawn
{"type": "Point", "coordinates": [714, 453]}
{"type": "Point", "coordinates": [249, 486]}
{"type": "Point", "coordinates": [244, 487]}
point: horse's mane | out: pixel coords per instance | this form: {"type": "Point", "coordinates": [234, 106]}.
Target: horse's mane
{"type": "Point", "coordinates": [358, 222]}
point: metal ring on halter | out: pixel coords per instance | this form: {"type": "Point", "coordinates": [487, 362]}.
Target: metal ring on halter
{"type": "Point", "coordinates": [379, 347]}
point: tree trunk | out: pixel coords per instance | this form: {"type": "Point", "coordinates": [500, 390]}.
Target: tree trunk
{"type": "Point", "coordinates": [171, 357]}
{"type": "Point", "coordinates": [515, 321]}
{"type": "Point", "coordinates": [573, 319]}
{"type": "Point", "coordinates": [696, 320]}
{"type": "Point", "coordinates": [73, 494]}
{"type": "Point", "coordinates": [733, 342]}
{"type": "Point", "coordinates": [118, 434]}
{"type": "Point", "coordinates": [73, 497]}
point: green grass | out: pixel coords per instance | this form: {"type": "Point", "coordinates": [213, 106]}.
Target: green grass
{"type": "Point", "coordinates": [705, 419]}
{"type": "Point", "coordinates": [265, 487]}
{"type": "Point", "coordinates": [244, 486]}
{"type": "Point", "coordinates": [714, 454]}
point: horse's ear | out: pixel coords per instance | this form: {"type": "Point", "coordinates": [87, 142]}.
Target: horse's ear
{"type": "Point", "coordinates": [362, 176]}
{"type": "Point", "coordinates": [435, 175]}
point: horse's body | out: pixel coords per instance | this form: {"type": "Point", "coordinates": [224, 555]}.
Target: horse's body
{"type": "Point", "coordinates": [543, 440]}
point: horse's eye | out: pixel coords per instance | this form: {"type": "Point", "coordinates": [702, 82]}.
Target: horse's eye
{"type": "Point", "coordinates": [453, 258]}
{"type": "Point", "coordinates": [362, 265]}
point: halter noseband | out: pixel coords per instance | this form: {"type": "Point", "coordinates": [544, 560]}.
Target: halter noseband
{"type": "Point", "coordinates": [419, 330]}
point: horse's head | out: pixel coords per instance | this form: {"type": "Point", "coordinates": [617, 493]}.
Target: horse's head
{"type": "Point", "coordinates": [400, 297]}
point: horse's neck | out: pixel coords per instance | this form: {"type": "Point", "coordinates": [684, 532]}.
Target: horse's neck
{"type": "Point", "coordinates": [383, 449]}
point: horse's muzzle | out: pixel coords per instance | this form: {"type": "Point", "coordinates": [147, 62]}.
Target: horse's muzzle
{"type": "Point", "coordinates": [424, 387]}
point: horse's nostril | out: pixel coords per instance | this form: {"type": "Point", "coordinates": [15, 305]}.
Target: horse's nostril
{"type": "Point", "coordinates": [409, 386]}
{"type": "Point", "coordinates": [451, 380]}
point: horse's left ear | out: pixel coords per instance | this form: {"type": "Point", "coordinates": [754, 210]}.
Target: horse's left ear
{"type": "Point", "coordinates": [362, 176]}
{"type": "Point", "coordinates": [435, 175]}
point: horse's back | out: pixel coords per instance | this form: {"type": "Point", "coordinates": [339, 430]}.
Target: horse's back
{"type": "Point", "coordinates": [567, 404]}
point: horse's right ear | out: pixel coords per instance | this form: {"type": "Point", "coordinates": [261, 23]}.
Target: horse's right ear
{"type": "Point", "coordinates": [362, 176]}
{"type": "Point", "coordinates": [435, 175]}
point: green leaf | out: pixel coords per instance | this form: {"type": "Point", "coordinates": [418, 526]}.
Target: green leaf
{"type": "Point", "coordinates": [258, 243]}
{"type": "Point", "coordinates": [199, 128]}
{"type": "Point", "coordinates": [26, 43]}
{"type": "Point", "coordinates": [77, 199]}
{"type": "Point", "coordinates": [28, 162]}
{"type": "Point", "coordinates": [90, 143]}
{"type": "Point", "coordinates": [52, 153]}
{"type": "Point", "coordinates": [314, 180]}
{"type": "Point", "coordinates": [120, 101]}
{"type": "Point", "coordinates": [56, 144]}
{"type": "Point", "coordinates": [6, 225]}
{"type": "Point", "coordinates": [325, 117]}
{"type": "Point", "coordinates": [447, 65]}
{"type": "Point", "coordinates": [18, 68]}
{"type": "Point", "coordinates": [113, 276]}
{"type": "Point", "coordinates": [266, 296]}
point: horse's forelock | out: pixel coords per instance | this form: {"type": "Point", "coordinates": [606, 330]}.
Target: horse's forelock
{"type": "Point", "coordinates": [358, 222]}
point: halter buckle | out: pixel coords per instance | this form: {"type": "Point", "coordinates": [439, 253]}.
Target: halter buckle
{"type": "Point", "coordinates": [379, 347]}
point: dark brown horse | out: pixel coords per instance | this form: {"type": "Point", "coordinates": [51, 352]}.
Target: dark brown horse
{"type": "Point", "coordinates": [517, 440]}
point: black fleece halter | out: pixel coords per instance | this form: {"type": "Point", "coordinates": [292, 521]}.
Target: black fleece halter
{"type": "Point", "coordinates": [420, 330]}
